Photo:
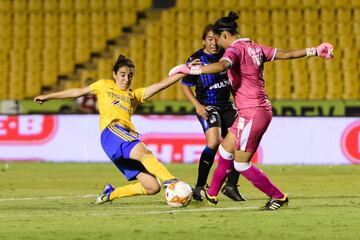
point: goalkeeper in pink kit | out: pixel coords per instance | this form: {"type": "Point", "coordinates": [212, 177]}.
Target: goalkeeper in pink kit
{"type": "Point", "coordinates": [244, 61]}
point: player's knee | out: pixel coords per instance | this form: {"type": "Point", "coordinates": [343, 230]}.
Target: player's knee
{"type": "Point", "coordinates": [153, 188]}
{"type": "Point", "coordinates": [213, 143]}
{"type": "Point", "coordinates": [225, 154]}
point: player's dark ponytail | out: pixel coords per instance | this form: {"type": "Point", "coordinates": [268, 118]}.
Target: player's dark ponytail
{"type": "Point", "coordinates": [227, 24]}
{"type": "Point", "coordinates": [121, 62]}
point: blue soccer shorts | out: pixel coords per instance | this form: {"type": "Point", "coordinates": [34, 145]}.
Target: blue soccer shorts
{"type": "Point", "coordinates": [117, 143]}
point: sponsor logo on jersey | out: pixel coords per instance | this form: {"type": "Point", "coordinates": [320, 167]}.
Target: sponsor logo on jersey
{"type": "Point", "coordinates": [222, 84]}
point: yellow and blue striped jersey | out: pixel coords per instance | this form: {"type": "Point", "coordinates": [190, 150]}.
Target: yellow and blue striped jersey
{"type": "Point", "coordinates": [116, 105]}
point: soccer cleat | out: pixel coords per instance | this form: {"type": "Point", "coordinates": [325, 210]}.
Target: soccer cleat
{"type": "Point", "coordinates": [105, 195]}
{"type": "Point", "coordinates": [168, 182]}
{"type": "Point", "coordinates": [275, 204]}
{"type": "Point", "coordinates": [198, 193]}
{"type": "Point", "coordinates": [212, 200]}
{"type": "Point", "coordinates": [232, 192]}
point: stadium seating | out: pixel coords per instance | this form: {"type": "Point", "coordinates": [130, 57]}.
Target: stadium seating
{"type": "Point", "coordinates": [80, 39]}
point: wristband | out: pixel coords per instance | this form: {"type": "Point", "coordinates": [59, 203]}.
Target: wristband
{"type": "Point", "coordinates": [310, 52]}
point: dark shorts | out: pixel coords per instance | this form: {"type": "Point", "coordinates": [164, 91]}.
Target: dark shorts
{"type": "Point", "coordinates": [117, 143]}
{"type": "Point", "coordinates": [222, 117]}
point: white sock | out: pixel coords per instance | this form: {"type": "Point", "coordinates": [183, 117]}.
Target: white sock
{"type": "Point", "coordinates": [240, 167]}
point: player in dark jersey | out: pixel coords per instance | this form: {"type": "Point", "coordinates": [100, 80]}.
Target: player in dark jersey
{"type": "Point", "coordinates": [215, 111]}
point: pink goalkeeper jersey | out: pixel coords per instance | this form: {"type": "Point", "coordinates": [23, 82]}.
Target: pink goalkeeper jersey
{"type": "Point", "coordinates": [246, 73]}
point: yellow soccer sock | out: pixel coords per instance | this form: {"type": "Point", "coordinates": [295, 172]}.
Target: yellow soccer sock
{"type": "Point", "coordinates": [155, 167]}
{"type": "Point", "coordinates": [128, 191]}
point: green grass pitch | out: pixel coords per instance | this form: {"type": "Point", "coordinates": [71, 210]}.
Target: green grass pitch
{"type": "Point", "coordinates": [54, 201]}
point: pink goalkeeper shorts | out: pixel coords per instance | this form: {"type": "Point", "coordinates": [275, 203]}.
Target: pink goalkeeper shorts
{"type": "Point", "coordinates": [249, 127]}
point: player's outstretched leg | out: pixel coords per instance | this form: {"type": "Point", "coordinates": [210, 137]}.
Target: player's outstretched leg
{"type": "Point", "coordinates": [105, 195]}
{"type": "Point", "coordinates": [230, 189]}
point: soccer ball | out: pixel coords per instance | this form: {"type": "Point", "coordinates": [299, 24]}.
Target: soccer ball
{"type": "Point", "coordinates": [178, 194]}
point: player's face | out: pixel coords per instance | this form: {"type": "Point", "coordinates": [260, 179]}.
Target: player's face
{"type": "Point", "coordinates": [223, 40]}
{"type": "Point", "coordinates": [210, 44]}
{"type": "Point", "coordinates": [123, 77]}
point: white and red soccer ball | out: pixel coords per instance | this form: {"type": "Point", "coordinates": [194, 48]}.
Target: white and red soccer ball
{"type": "Point", "coordinates": [178, 194]}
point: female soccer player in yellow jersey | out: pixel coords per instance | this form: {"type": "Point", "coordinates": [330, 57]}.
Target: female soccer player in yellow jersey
{"type": "Point", "coordinates": [119, 139]}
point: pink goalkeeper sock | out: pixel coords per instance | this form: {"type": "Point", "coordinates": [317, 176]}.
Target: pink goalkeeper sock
{"type": "Point", "coordinates": [219, 176]}
{"type": "Point", "coordinates": [262, 182]}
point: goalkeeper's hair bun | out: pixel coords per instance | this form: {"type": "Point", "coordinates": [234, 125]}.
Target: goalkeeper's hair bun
{"type": "Point", "coordinates": [233, 16]}
{"type": "Point", "coordinates": [227, 23]}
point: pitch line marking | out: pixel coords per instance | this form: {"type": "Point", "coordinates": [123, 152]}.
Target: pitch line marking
{"type": "Point", "coordinates": [47, 198]}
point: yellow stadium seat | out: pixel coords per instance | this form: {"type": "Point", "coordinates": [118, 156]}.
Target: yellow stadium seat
{"type": "Point", "coordinates": [197, 5]}
{"type": "Point", "coordinates": [35, 5]}
{"type": "Point", "coordinates": [355, 3]}
{"type": "Point", "coordinates": [300, 85]}
{"type": "Point", "coordinates": [4, 73]}
{"type": "Point", "coordinates": [262, 15]}
{"type": "Point", "coordinates": [351, 85]}
{"type": "Point", "coordinates": [328, 29]}
{"type": "Point", "coordinates": [5, 6]}
{"type": "Point", "coordinates": [127, 4]}
{"type": "Point", "coordinates": [66, 18]}
{"type": "Point", "coordinates": [341, 3]}
{"type": "Point", "coordinates": [66, 61]}
{"type": "Point", "coordinates": [278, 16]}
{"type": "Point", "coordinates": [96, 5]}
{"type": "Point", "coordinates": [142, 5]}
{"type": "Point", "coordinates": [279, 29]}
{"type": "Point", "coordinates": [182, 4]}
{"type": "Point", "coordinates": [259, 4]}
{"type": "Point", "coordinates": [293, 3]}
{"type": "Point", "coordinates": [111, 5]}
{"type": "Point", "coordinates": [309, 3]}
{"type": "Point", "coordinates": [343, 15]}
{"type": "Point", "coordinates": [214, 4]}
{"type": "Point", "coordinates": [311, 29]}
{"type": "Point", "coordinates": [81, 5]}
{"type": "Point", "coordinates": [19, 5]}
{"type": "Point", "coordinates": [246, 16]}
{"type": "Point", "coordinates": [229, 4]}
{"type": "Point", "coordinates": [345, 41]}
{"type": "Point", "coordinates": [82, 50]}
{"type": "Point", "coordinates": [277, 3]}
{"type": "Point", "coordinates": [51, 19]}
{"type": "Point", "coordinates": [279, 42]}
{"type": "Point", "coordinates": [65, 5]}
{"type": "Point", "coordinates": [104, 68]}
{"type": "Point", "coordinates": [214, 15]}
{"type": "Point", "coordinates": [17, 74]}
{"type": "Point", "coordinates": [129, 18]}
{"type": "Point", "coordinates": [344, 28]}
{"type": "Point", "coordinates": [49, 67]}
{"type": "Point", "coordinates": [246, 30]}
{"type": "Point", "coordinates": [33, 73]}
{"type": "Point", "coordinates": [311, 15]}
{"type": "Point", "coordinates": [261, 29]}
{"type": "Point", "coordinates": [294, 16]}
{"type": "Point", "coordinates": [295, 29]}
{"type": "Point", "coordinates": [50, 5]}
{"type": "Point", "coordinates": [317, 85]}
{"type": "Point", "coordinates": [327, 15]}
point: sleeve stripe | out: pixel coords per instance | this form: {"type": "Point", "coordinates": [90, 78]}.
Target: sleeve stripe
{"type": "Point", "coordinates": [273, 57]}
{"type": "Point", "coordinates": [188, 84]}
{"type": "Point", "coordinates": [227, 59]}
